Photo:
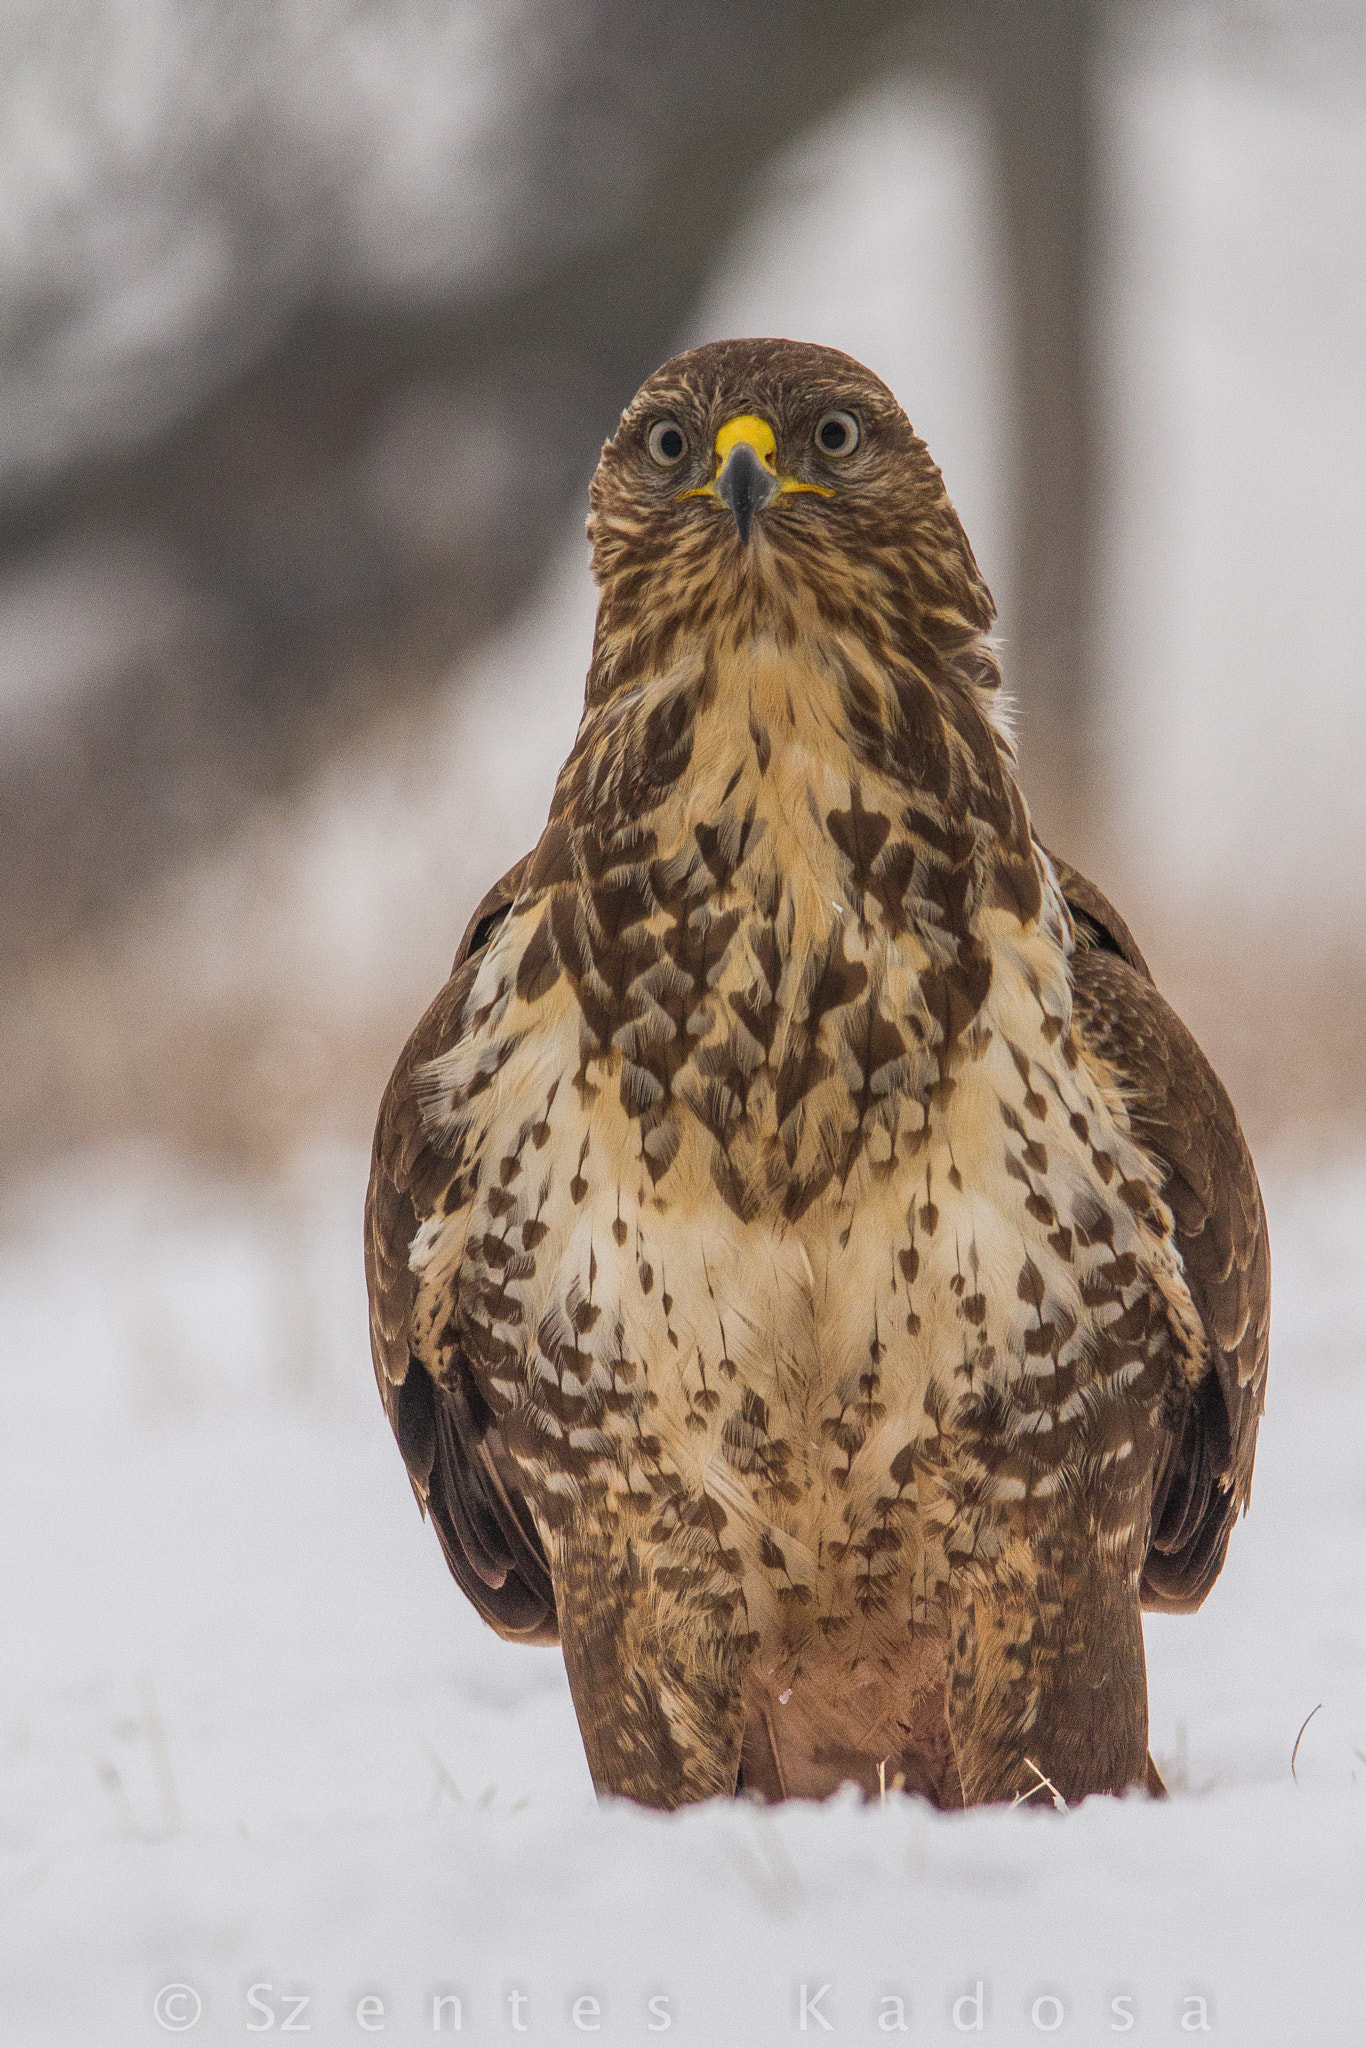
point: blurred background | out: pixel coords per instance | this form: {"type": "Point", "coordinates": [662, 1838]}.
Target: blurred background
{"type": "Point", "coordinates": [313, 317]}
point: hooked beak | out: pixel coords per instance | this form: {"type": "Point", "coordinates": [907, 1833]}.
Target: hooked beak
{"type": "Point", "coordinates": [747, 476]}
{"type": "Point", "coordinates": [744, 487]}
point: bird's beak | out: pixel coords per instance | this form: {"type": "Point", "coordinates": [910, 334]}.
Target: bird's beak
{"type": "Point", "coordinates": [745, 484]}
{"type": "Point", "coordinates": [746, 476]}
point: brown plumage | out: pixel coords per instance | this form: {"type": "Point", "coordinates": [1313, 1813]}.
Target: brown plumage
{"type": "Point", "coordinates": [812, 1272]}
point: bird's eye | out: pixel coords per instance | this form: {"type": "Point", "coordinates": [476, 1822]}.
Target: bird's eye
{"type": "Point", "coordinates": [668, 443]}
{"type": "Point", "coordinates": [837, 433]}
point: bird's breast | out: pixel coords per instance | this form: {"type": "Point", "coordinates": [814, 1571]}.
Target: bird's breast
{"type": "Point", "coordinates": [781, 1165]}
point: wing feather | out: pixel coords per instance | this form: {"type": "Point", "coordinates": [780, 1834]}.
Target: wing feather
{"type": "Point", "coordinates": [1181, 1113]}
{"type": "Point", "coordinates": [455, 1457]}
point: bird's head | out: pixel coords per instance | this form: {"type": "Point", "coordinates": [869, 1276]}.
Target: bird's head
{"type": "Point", "coordinates": [756, 486]}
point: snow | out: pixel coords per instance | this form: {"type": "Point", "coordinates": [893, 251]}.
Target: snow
{"type": "Point", "coordinates": [250, 1734]}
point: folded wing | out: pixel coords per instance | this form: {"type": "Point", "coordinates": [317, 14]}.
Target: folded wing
{"type": "Point", "coordinates": [455, 1457]}
{"type": "Point", "coordinates": [1180, 1113]}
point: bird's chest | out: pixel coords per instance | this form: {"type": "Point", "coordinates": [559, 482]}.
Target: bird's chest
{"type": "Point", "coordinates": [769, 1199]}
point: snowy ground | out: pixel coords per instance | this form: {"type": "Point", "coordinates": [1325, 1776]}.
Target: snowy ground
{"type": "Point", "coordinates": [251, 1736]}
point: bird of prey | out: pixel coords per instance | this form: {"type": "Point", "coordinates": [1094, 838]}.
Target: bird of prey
{"type": "Point", "coordinates": [814, 1275]}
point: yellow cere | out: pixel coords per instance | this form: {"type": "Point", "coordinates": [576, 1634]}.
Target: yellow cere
{"type": "Point", "coordinates": [748, 427]}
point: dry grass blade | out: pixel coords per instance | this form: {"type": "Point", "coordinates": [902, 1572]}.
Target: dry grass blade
{"type": "Point", "coordinates": [444, 1781]}
{"type": "Point", "coordinates": [155, 1729]}
{"type": "Point", "coordinates": [1300, 1737]}
{"type": "Point", "coordinates": [1045, 1784]}
{"type": "Point", "coordinates": [771, 1875]}
{"type": "Point", "coordinates": [109, 1777]}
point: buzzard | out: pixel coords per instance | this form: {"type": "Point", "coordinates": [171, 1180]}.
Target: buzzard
{"type": "Point", "coordinates": [814, 1275]}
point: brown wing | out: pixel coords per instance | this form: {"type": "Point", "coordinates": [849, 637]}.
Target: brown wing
{"type": "Point", "coordinates": [459, 1469]}
{"type": "Point", "coordinates": [1180, 1112]}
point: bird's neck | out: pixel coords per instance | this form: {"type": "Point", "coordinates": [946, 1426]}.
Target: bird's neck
{"type": "Point", "coordinates": [792, 715]}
